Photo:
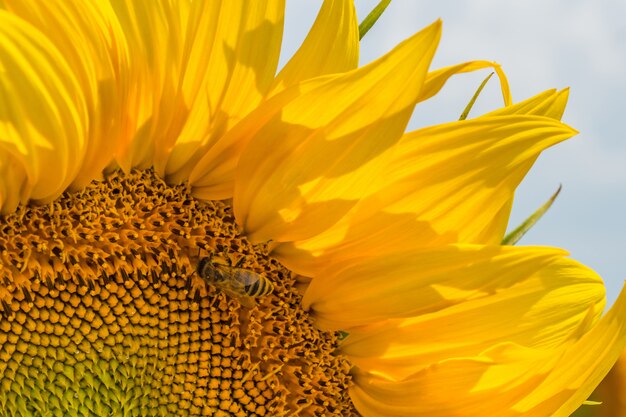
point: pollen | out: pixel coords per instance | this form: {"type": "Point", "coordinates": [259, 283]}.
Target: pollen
{"type": "Point", "coordinates": [102, 313]}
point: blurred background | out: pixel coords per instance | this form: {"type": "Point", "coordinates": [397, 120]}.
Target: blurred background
{"type": "Point", "coordinates": [579, 44]}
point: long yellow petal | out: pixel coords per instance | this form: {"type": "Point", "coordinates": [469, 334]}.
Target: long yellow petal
{"type": "Point", "coordinates": [449, 173]}
{"type": "Point", "coordinates": [545, 313]}
{"type": "Point", "coordinates": [508, 380]}
{"type": "Point", "coordinates": [438, 177]}
{"type": "Point", "coordinates": [231, 51]}
{"type": "Point", "coordinates": [213, 176]}
{"type": "Point", "coordinates": [197, 68]}
{"type": "Point", "coordinates": [459, 387]}
{"type": "Point", "coordinates": [154, 40]}
{"type": "Point", "coordinates": [88, 36]}
{"type": "Point", "coordinates": [369, 235]}
{"type": "Point", "coordinates": [582, 366]}
{"type": "Point", "coordinates": [437, 79]}
{"type": "Point", "coordinates": [363, 291]}
{"type": "Point", "coordinates": [331, 46]}
{"type": "Point", "coordinates": [43, 116]}
{"type": "Point", "coordinates": [329, 141]}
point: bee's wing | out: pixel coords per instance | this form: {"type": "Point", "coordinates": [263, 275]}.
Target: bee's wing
{"type": "Point", "coordinates": [244, 277]}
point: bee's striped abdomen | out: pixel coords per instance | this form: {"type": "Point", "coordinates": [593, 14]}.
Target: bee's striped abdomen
{"type": "Point", "coordinates": [259, 288]}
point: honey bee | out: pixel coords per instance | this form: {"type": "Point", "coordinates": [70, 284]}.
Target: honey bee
{"type": "Point", "coordinates": [241, 284]}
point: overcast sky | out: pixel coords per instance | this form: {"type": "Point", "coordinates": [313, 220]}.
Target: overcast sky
{"type": "Point", "coordinates": [541, 44]}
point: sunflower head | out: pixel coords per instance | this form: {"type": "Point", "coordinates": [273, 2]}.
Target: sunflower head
{"type": "Point", "coordinates": [104, 306]}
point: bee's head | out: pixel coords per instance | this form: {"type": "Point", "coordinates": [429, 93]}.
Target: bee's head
{"type": "Point", "coordinates": [203, 264]}
{"type": "Point", "coordinates": [208, 271]}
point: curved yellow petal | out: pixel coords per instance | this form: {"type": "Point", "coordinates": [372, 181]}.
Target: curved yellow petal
{"type": "Point", "coordinates": [44, 116]}
{"type": "Point", "coordinates": [88, 36]}
{"type": "Point", "coordinates": [363, 291]}
{"type": "Point", "coordinates": [331, 46]}
{"type": "Point", "coordinates": [436, 79]}
{"type": "Point", "coordinates": [437, 178]}
{"type": "Point", "coordinates": [545, 312]}
{"type": "Point", "coordinates": [325, 145]}
{"type": "Point", "coordinates": [507, 380]}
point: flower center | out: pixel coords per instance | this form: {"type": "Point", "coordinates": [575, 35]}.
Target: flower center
{"type": "Point", "coordinates": [103, 312]}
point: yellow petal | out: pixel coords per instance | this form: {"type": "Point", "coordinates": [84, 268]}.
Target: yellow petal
{"type": "Point", "coordinates": [212, 178]}
{"type": "Point", "coordinates": [452, 172]}
{"type": "Point", "coordinates": [550, 103]}
{"type": "Point", "coordinates": [373, 235]}
{"type": "Point", "coordinates": [88, 36]}
{"type": "Point", "coordinates": [13, 176]}
{"type": "Point", "coordinates": [611, 393]}
{"type": "Point", "coordinates": [535, 313]}
{"type": "Point", "coordinates": [43, 113]}
{"type": "Point", "coordinates": [197, 68]}
{"type": "Point", "coordinates": [438, 178]}
{"type": "Point", "coordinates": [331, 46]}
{"type": "Point", "coordinates": [459, 387]}
{"type": "Point", "coordinates": [581, 367]}
{"type": "Point", "coordinates": [153, 31]}
{"type": "Point", "coordinates": [229, 60]}
{"type": "Point", "coordinates": [362, 291]}
{"type": "Point", "coordinates": [505, 381]}
{"type": "Point", "coordinates": [308, 165]}
{"type": "Point", "coordinates": [436, 79]}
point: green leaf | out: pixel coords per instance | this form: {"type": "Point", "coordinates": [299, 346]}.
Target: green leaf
{"type": "Point", "coordinates": [372, 18]}
{"type": "Point", "coordinates": [474, 97]}
{"type": "Point", "coordinates": [514, 237]}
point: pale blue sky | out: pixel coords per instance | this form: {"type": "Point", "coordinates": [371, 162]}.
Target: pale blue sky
{"type": "Point", "coordinates": [541, 45]}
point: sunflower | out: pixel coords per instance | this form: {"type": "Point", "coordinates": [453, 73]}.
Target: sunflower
{"type": "Point", "coordinates": [144, 141]}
